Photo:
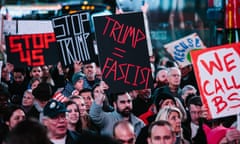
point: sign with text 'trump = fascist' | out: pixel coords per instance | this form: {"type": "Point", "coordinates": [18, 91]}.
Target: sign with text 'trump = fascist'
{"type": "Point", "coordinates": [217, 72]}
{"type": "Point", "coordinates": [73, 36]}
{"type": "Point", "coordinates": [32, 49]}
{"type": "Point", "coordinates": [123, 51]}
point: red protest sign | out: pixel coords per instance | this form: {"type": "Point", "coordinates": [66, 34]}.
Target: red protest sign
{"type": "Point", "coordinates": [217, 73]}
{"type": "Point", "coordinates": [32, 49]}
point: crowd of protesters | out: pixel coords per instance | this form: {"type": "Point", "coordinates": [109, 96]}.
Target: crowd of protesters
{"type": "Point", "coordinates": [68, 105]}
{"type": "Point", "coordinates": [71, 105]}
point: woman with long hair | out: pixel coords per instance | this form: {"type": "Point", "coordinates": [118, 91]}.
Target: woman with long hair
{"type": "Point", "coordinates": [12, 116]}
{"type": "Point", "coordinates": [73, 117]}
{"type": "Point", "coordinates": [174, 116]}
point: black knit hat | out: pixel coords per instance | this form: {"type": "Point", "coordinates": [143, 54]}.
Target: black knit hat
{"type": "Point", "coordinates": [160, 97]}
{"type": "Point", "coordinates": [195, 100]}
{"type": "Point", "coordinates": [43, 91]}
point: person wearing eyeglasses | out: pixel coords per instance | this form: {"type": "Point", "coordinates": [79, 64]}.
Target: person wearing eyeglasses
{"type": "Point", "coordinates": [55, 121]}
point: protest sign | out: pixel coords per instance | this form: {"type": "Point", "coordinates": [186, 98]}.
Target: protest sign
{"type": "Point", "coordinates": [217, 73]}
{"type": "Point", "coordinates": [123, 52]}
{"type": "Point", "coordinates": [34, 26]}
{"type": "Point", "coordinates": [73, 34]}
{"type": "Point", "coordinates": [32, 49]}
{"type": "Point", "coordinates": [13, 27]}
{"type": "Point", "coordinates": [179, 49]}
{"type": "Point", "coordinates": [9, 27]}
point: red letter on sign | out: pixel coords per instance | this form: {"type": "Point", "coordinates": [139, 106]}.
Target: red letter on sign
{"type": "Point", "coordinates": [38, 41]}
{"type": "Point", "coordinates": [25, 58]}
{"type": "Point", "coordinates": [219, 103]}
{"type": "Point", "coordinates": [27, 41]}
{"type": "Point", "coordinates": [228, 63]}
{"type": "Point", "coordinates": [14, 46]}
{"type": "Point", "coordinates": [49, 38]}
{"type": "Point", "coordinates": [205, 88]}
{"type": "Point", "coordinates": [37, 57]}
{"type": "Point", "coordinates": [217, 64]}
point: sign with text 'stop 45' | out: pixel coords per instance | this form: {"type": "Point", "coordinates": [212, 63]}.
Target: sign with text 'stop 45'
{"type": "Point", "coordinates": [123, 51]}
{"type": "Point", "coordinates": [217, 72]}
{"type": "Point", "coordinates": [73, 36]}
{"type": "Point", "coordinates": [32, 49]}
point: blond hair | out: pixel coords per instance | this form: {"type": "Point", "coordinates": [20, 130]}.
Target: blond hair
{"type": "Point", "coordinates": [165, 112]}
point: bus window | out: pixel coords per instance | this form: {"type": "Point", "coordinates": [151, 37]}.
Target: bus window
{"type": "Point", "coordinates": [93, 8]}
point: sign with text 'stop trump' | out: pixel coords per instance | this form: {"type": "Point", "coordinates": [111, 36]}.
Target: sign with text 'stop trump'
{"type": "Point", "coordinates": [73, 34]}
{"type": "Point", "coordinates": [123, 51]}
{"type": "Point", "coordinates": [217, 72]}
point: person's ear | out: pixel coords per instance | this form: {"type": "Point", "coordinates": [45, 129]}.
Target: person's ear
{"type": "Point", "coordinates": [44, 121]}
{"type": "Point", "coordinates": [149, 140]}
{"type": "Point", "coordinates": [7, 123]}
{"type": "Point", "coordinates": [114, 105]}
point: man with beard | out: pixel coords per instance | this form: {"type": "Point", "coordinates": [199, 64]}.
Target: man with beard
{"type": "Point", "coordinates": [106, 120]}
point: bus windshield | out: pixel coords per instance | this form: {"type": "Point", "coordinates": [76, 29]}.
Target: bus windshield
{"type": "Point", "coordinates": [45, 11]}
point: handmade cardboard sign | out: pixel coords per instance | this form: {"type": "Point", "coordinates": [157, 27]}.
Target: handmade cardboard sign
{"type": "Point", "coordinates": [74, 39]}
{"type": "Point", "coordinates": [217, 73]}
{"type": "Point", "coordinates": [180, 49]}
{"type": "Point", "coordinates": [123, 52]}
{"type": "Point", "coordinates": [32, 49]}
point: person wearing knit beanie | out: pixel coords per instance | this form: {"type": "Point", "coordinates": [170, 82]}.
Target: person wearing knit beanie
{"type": "Point", "coordinates": [221, 134]}
{"type": "Point", "coordinates": [161, 97]}
{"type": "Point", "coordinates": [214, 136]}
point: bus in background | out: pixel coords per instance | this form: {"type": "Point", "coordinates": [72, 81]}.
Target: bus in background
{"type": "Point", "coordinates": [45, 11]}
{"type": "Point", "coordinates": [95, 9]}
{"type": "Point", "coordinates": [32, 11]}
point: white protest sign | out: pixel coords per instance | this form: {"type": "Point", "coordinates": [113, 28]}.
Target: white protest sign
{"type": "Point", "coordinates": [179, 49]}
{"type": "Point", "coordinates": [34, 26]}
{"type": "Point", "coordinates": [9, 27]}
{"type": "Point", "coordinates": [27, 26]}
{"type": "Point", "coordinates": [217, 73]}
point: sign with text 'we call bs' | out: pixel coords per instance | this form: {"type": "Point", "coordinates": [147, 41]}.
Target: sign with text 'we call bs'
{"type": "Point", "coordinates": [217, 73]}
{"type": "Point", "coordinates": [73, 36]}
{"type": "Point", "coordinates": [123, 51]}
